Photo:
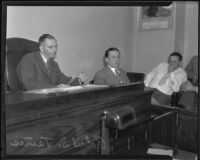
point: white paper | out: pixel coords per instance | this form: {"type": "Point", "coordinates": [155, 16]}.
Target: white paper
{"type": "Point", "coordinates": [160, 151]}
{"type": "Point", "coordinates": [66, 89]}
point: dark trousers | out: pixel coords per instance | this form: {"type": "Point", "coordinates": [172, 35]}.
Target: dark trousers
{"type": "Point", "coordinates": [161, 97]}
{"type": "Point", "coordinates": [188, 100]}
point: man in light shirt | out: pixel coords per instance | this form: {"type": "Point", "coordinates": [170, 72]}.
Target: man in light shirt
{"type": "Point", "coordinates": [111, 74]}
{"type": "Point", "coordinates": [166, 78]}
{"type": "Point", "coordinates": [38, 69]}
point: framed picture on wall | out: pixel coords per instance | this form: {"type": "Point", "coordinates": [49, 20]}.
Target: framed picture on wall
{"type": "Point", "coordinates": [155, 17]}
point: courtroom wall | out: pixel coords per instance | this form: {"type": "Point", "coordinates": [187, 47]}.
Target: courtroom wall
{"type": "Point", "coordinates": [83, 33]}
{"type": "Point", "coordinates": [154, 46]}
{"type": "Point", "coordinates": [187, 30]}
{"type": "Point", "coordinates": [151, 47]}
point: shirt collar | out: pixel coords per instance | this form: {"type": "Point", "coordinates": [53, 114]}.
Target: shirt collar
{"type": "Point", "coordinates": [113, 69]}
{"type": "Point", "coordinates": [44, 58]}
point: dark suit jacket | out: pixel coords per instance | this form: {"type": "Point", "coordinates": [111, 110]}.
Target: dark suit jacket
{"type": "Point", "coordinates": [192, 69]}
{"type": "Point", "coordinates": [106, 76]}
{"type": "Point", "coordinates": [33, 74]}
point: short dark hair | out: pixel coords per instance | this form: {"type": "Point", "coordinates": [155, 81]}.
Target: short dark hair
{"type": "Point", "coordinates": [45, 36]}
{"type": "Point", "coordinates": [177, 54]}
{"type": "Point", "coordinates": [110, 49]}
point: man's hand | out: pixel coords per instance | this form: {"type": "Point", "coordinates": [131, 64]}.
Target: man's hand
{"type": "Point", "coordinates": [195, 79]}
{"type": "Point", "coordinates": [187, 86]}
{"type": "Point", "coordinates": [82, 76]}
{"type": "Point", "coordinates": [171, 68]}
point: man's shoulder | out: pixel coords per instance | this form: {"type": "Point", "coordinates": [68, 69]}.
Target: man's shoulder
{"type": "Point", "coordinates": [30, 56]}
{"type": "Point", "coordinates": [102, 71]}
{"type": "Point", "coordinates": [122, 70]}
{"type": "Point", "coordinates": [180, 72]}
{"type": "Point", "coordinates": [161, 65]}
{"type": "Point", "coordinates": [194, 59]}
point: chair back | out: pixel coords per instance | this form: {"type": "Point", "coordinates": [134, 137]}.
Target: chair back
{"type": "Point", "coordinates": [16, 49]}
{"type": "Point", "coordinates": [136, 77]}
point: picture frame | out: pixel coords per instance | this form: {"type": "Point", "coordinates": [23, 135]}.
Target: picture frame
{"type": "Point", "coordinates": [155, 17]}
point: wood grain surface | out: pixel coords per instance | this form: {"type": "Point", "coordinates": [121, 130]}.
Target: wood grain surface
{"type": "Point", "coordinates": [65, 123]}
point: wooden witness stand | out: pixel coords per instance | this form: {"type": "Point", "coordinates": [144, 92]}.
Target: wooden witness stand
{"type": "Point", "coordinates": [71, 123]}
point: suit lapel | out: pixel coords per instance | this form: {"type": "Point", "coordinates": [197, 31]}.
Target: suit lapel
{"type": "Point", "coordinates": [112, 75]}
{"type": "Point", "coordinates": [110, 72]}
{"type": "Point", "coordinates": [116, 78]}
{"type": "Point", "coordinates": [42, 64]}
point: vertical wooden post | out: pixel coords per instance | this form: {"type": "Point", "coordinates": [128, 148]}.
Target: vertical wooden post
{"type": "Point", "coordinates": [104, 135]}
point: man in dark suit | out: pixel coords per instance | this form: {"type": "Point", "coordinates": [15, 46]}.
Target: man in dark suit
{"type": "Point", "coordinates": [111, 74]}
{"type": "Point", "coordinates": [188, 98]}
{"type": "Point", "coordinates": [192, 70]}
{"type": "Point", "coordinates": [38, 69]}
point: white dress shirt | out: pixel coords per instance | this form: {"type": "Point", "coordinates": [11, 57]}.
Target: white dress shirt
{"type": "Point", "coordinates": [113, 70]}
{"type": "Point", "coordinates": [44, 59]}
{"type": "Point", "coordinates": [172, 83]}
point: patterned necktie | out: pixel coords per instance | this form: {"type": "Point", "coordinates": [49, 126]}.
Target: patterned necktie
{"type": "Point", "coordinates": [48, 66]}
{"type": "Point", "coordinates": [117, 74]}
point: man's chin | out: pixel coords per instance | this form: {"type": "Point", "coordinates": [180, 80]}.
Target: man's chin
{"type": "Point", "coordinates": [52, 58]}
{"type": "Point", "coordinates": [115, 66]}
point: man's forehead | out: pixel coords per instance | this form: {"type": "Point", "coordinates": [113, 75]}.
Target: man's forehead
{"type": "Point", "coordinates": [50, 41]}
{"type": "Point", "coordinates": [114, 53]}
{"type": "Point", "coordinates": [175, 58]}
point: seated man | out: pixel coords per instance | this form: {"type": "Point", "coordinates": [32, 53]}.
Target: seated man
{"type": "Point", "coordinates": [188, 98]}
{"type": "Point", "coordinates": [188, 86]}
{"type": "Point", "coordinates": [166, 78]}
{"type": "Point", "coordinates": [192, 70]}
{"type": "Point", "coordinates": [111, 74]}
{"type": "Point", "coordinates": [38, 69]}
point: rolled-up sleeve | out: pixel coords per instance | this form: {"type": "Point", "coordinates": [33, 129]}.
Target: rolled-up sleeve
{"type": "Point", "coordinates": [149, 77]}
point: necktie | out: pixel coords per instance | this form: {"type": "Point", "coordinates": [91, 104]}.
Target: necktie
{"type": "Point", "coordinates": [48, 66]}
{"type": "Point", "coordinates": [117, 74]}
{"type": "Point", "coordinates": [163, 79]}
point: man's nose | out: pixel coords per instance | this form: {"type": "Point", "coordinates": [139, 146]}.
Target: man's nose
{"type": "Point", "coordinates": [54, 49]}
{"type": "Point", "coordinates": [117, 60]}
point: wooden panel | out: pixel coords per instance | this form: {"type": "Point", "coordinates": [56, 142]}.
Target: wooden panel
{"type": "Point", "coordinates": [187, 138]}
{"type": "Point", "coordinates": [57, 135]}
{"type": "Point", "coordinates": [65, 123]}
{"type": "Point", "coordinates": [187, 130]}
{"type": "Point", "coordinates": [166, 131]}
{"type": "Point", "coordinates": [163, 129]}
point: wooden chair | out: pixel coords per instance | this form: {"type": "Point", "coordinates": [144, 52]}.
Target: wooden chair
{"type": "Point", "coordinates": [133, 77]}
{"type": "Point", "coordinates": [16, 49]}
{"type": "Point", "coordinates": [136, 77]}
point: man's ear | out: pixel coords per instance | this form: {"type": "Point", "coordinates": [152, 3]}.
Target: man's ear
{"type": "Point", "coordinates": [181, 64]}
{"type": "Point", "coordinates": [40, 48]}
{"type": "Point", "coordinates": [106, 60]}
